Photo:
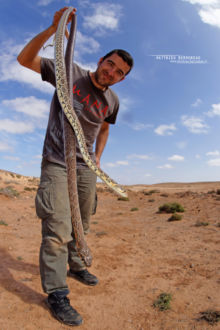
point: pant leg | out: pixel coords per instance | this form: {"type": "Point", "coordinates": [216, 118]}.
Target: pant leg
{"type": "Point", "coordinates": [86, 183]}
{"type": "Point", "coordinates": [52, 206]}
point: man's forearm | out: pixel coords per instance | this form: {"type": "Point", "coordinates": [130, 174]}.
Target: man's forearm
{"type": "Point", "coordinates": [31, 50]}
{"type": "Point", "coordinates": [101, 142]}
{"type": "Point", "coordinates": [100, 145]}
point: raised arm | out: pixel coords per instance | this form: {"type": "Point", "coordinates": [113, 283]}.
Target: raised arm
{"type": "Point", "coordinates": [29, 57]}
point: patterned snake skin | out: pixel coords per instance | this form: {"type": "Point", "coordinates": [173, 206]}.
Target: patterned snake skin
{"type": "Point", "coordinates": [73, 131]}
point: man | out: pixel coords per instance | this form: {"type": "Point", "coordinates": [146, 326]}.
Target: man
{"type": "Point", "coordinates": [96, 106]}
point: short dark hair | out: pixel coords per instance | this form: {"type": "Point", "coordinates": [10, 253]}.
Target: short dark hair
{"type": "Point", "coordinates": [124, 55]}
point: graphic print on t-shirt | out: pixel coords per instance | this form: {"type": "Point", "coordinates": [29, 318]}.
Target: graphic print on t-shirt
{"type": "Point", "coordinates": [97, 108]}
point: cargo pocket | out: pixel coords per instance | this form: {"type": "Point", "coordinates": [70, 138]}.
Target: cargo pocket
{"type": "Point", "coordinates": [94, 205]}
{"type": "Point", "coordinates": [44, 200]}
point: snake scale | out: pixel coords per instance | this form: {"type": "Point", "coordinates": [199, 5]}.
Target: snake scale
{"type": "Point", "coordinates": [73, 131]}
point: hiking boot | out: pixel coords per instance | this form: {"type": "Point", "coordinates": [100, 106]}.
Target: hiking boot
{"type": "Point", "coordinates": [84, 276]}
{"type": "Point", "coordinates": [62, 310]}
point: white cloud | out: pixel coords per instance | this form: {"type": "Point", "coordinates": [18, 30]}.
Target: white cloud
{"type": "Point", "coordinates": [147, 175]}
{"type": "Point", "coordinates": [210, 16]}
{"type": "Point", "coordinates": [117, 163]}
{"type": "Point", "coordinates": [215, 110]}
{"type": "Point", "coordinates": [38, 156]}
{"type": "Point", "coordinates": [105, 17]}
{"type": "Point", "coordinates": [30, 106]}
{"type": "Point", "coordinates": [213, 153]}
{"type": "Point", "coordinates": [196, 103]}
{"type": "Point", "coordinates": [110, 164]}
{"type": "Point", "coordinates": [165, 166]}
{"type": "Point", "coordinates": [208, 10]}
{"type": "Point", "coordinates": [125, 104]}
{"type": "Point", "coordinates": [84, 3]}
{"type": "Point", "coordinates": [15, 127]}
{"type": "Point", "coordinates": [87, 66]}
{"type": "Point", "coordinates": [13, 158]}
{"type": "Point", "coordinates": [136, 156]}
{"type": "Point", "coordinates": [214, 162]}
{"type": "Point", "coordinates": [85, 45]}
{"type": "Point", "coordinates": [10, 69]}
{"type": "Point", "coordinates": [122, 162]}
{"type": "Point", "coordinates": [203, 2]}
{"type": "Point", "coordinates": [44, 2]}
{"type": "Point", "coordinates": [47, 2]}
{"type": "Point", "coordinates": [165, 129]}
{"type": "Point", "coordinates": [4, 146]}
{"type": "Point", "coordinates": [181, 144]}
{"type": "Point", "coordinates": [194, 124]}
{"type": "Point", "coordinates": [176, 158]}
{"type": "Point", "coordinates": [140, 126]}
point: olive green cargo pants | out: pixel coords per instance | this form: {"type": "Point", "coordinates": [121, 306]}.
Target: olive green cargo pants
{"type": "Point", "coordinates": [58, 246]}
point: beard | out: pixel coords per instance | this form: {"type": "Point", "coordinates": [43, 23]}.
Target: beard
{"type": "Point", "coordinates": [102, 78]}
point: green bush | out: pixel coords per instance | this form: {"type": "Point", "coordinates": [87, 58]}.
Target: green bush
{"type": "Point", "coordinates": [163, 301]}
{"type": "Point", "coordinates": [211, 316]}
{"type": "Point", "coordinates": [201, 223]}
{"type": "Point", "coordinates": [30, 188]}
{"type": "Point", "coordinates": [3, 223]}
{"type": "Point", "coordinates": [123, 199]}
{"type": "Point", "coordinates": [171, 208]}
{"type": "Point", "coordinates": [150, 192]}
{"type": "Point", "coordinates": [134, 209]}
{"type": "Point", "coordinates": [175, 217]}
{"type": "Point", "coordinates": [9, 191]}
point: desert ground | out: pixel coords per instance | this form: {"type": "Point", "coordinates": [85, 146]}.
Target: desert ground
{"type": "Point", "coordinates": [137, 255]}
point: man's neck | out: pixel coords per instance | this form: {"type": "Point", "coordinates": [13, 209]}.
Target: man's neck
{"type": "Point", "coordinates": [92, 76]}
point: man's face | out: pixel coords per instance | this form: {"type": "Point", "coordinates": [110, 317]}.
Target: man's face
{"type": "Point", "coordinates": [110, 71]}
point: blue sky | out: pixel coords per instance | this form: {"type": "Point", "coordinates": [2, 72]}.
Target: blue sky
{"type": "Point", "coordinates": [167, 129]}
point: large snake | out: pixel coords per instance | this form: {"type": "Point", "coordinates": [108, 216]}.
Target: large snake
{"type": "Point", "coordinates": [73, 131]}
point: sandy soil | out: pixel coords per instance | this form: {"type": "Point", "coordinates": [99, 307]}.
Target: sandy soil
{"type": "Point", "coordinates": [137, 254]}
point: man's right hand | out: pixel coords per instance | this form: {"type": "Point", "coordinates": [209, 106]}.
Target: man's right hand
{"type": "Point", "coordinates": [58, 15]}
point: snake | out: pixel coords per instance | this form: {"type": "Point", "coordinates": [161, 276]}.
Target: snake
{"type": "Point", "coordinates": [73, 132]}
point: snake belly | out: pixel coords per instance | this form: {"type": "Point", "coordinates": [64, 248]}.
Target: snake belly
{"type": "Point", "coordinates": [65, 102]}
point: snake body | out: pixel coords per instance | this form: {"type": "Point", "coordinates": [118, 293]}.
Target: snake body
{"type": "Point", "coordinates": [70, 157]}
{"type": "Point", "coordinates": [73, 131]}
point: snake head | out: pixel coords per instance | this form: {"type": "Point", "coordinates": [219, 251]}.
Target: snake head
{"type": "Point", "coordinates": [122, 192]}
{"type": "Point", "coordinates": [86, 256]}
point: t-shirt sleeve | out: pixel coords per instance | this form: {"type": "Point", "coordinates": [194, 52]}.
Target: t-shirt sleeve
{"type": "Point", "coordinates": [112, 118]}
{"type": "Point", "coordinates": [48, 70]}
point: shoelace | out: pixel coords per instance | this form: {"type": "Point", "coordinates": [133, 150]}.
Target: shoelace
{"type": "Point", "coordinates": [65, 304]}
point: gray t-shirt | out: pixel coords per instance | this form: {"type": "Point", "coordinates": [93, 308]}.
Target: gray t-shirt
{"type": "Point", "coordinates": [92, 106]}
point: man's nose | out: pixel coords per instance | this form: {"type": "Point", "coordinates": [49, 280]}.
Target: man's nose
{"type": "Point", "coordinates": [111, 72]}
